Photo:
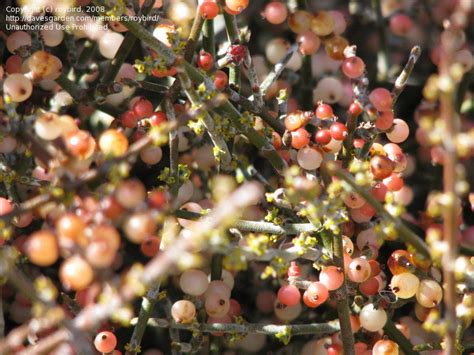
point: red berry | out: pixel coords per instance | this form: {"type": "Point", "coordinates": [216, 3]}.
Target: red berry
{"type": "Point", "coordinates": [381, 167]}
{"type": "Point", "coordinates": [157, 199]}
{"type": "Point", "coordinates": [353, 67]}
{"type": "Point", "coordinates": [209, 10]}
{"type": "Point", "coordinates": [289, 295]}
{"type": "Point", "coordinates": [323, 136]}
{"type": "Point", "coordinates": [105, 342]}
{"type": "Point", "coordinates": [355, 109]}
{"type": "Point", "coordinates": [157, 118]}
{"type": "Point", "coordinates": [338, 131]}
{"type": "Point", "coordinates": [384, 121]}
{"type": "Point", "coordinates": [299, 138]}
{"type": "Point", "coordinates": [315, 295]}
{"type": "Point", "coordinates": [205, 61]}
{"type": "Point", "coordinates": [129, 119]}
{"type": "Point", "coordinates": [400, 24]}
{"type": "Point", "coordinates": [143, 108]}
{"type": "Point", "coordinates": [220, 80]}
{"type": "Point", "coordinates": [150, 246]}
{"type": "Point", "coordinates": [294, 270]}
{"type": "Point", "coordinates": [276, 141]}
{"type": "Point", "coordinates": [324, 111]}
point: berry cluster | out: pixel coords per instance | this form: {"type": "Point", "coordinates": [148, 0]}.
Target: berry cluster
{"type": "Point", "coordinates": [238, 174]}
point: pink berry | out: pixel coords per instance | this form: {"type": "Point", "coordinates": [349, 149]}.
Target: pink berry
{"type": "Point", "coordinates": [308, 42]}
{"type": "Point", "coordinates": [401, 24]}
{"type": "Point", "coordinates": [275, 12]}
{"type": "Point", "coordinates": [332, 277]}
{"type": "Point", "coordinates": [353, 67]}
{"type": "Point", "coordinates": [399, 132]}
{"type": "Point", "coordinates": [105, 342]}
{"type": "Point", "coordinates": [289, 295]}
{"type": "Point", "coordinates": [384, 121]}
{"type": "Point", "coordinates": [359, 270]}
{"type": "Point", "coordinates": [315, 295]}
{"type": "Point", "coordinates": [381, 99]}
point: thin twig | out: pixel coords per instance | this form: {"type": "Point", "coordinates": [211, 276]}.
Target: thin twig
{"type": "Point", "coordinates": [253, 79]}
{"type": "Point", "coordinates": [277, 70]}
{"type": "Point", "coordinates": [451, 204]}
{"type": "Point", "coordinates": [208, 40]}
{"type": "Point", "coordinates": [342, 300]}
{"type": "Point", "coordinates": [258, 226]}
{"type": "Point", "coordinates": [224, 155]}
{"type": "Point", "coordinates": [405, 233]}
{"type": "Point", "coordinates": [259, 141]}
{"type": "Point", "coordinates": [402, 79]}
{"type": "Point", "coordinates": [233, 36]}
{"type": "Point", "coordinates": [251, 106]}
{"type": "Point", "coordinates": [125, 48]}
{"type": "Point", "coordinates": [397, 336]}
{"type": "Point", "coordinates": [269, 329]}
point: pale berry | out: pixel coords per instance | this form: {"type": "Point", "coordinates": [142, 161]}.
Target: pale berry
{"type": "Point", "coordinates": [353, 67]}
{"type": "Point", "coordinates": [275, 12]}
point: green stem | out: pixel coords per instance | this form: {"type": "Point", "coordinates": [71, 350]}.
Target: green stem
{"type": "Point", "coordinates": [320, 329]}
{"type": "Point", "coordinates": [216, 274]}
{"type": "Point", "coordinates": [87, 52]}
{"type": "Point", "coordinates": [125, 48]}
{"type": "Point", "coordinates": [262, 111]}
{"type": "Point", "coordinates": [70, 87]}
{"type": "Point", "coordinates": [406, 234]}
{"type": "Point", "coordinates": [223, 156]}
{"type": "Point", "coordinates": [146, 311]}
{"type": "Point", "coordinates": [402, 80]}
{"type": "Point", "coordinates": [392, 331]}
{"type": "Point", "coordinates": [208, 41]}
{"type": "Point", "coordinates": [277, 70]}
{"type": "Point", "coordinates": [259, 227]}
{"type": "Point", "coordinates": [259, 141]}
{"type": "Point", "coordinates": [348, 142]}
{"type": "Point", "coordinates": [306, 83]}
{"type": "Point", "coordinates": [233, 36]}
{"type": "Point", "coordinates": [342, 300]}
{"type": "Point", "coordinates": [174, 147]}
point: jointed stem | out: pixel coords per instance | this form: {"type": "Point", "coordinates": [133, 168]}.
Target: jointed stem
{"type": "Point", "coordinates": [392, 331]}
{"type": "Point", "coordinates": [342, 300]}
{"type": "Point", "coordinates": [321, 329]}
{"type": "Point", "coordinates": [405, 233]}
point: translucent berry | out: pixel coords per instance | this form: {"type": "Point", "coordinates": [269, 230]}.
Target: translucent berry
{"type": "Point", "coordinates": [381, 98]}
{"type": "Point", "coordinates": [353, 67]}
{"type": "Point", "coordinates": [371, 318]}
{"type": "Point", "coordinates": [332, 277]}
{"type": "Point", "coordinates": [275, 12]}
{"type": "Point", "coordinates": [404, 285]}
{"type": "Point", "coordinates": [183, 311]}
{"type": "Point", "coordinates": [315, 295]}
{"type": "Point", "coordinates": [359, 270]}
